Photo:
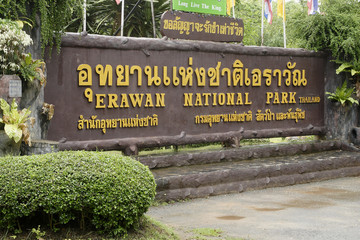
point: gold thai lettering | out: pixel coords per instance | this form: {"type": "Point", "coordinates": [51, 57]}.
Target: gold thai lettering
{"type": "Point", "coordinates": [88, 93]}
{"type": "Point", "coordinates": [207, 26]}
{"type": "Point", "coordinates": [238, 73]}
{"type": "Point", "coordinates": [153, 79]}
{"type": "Point", "coordinates": [240, 76]}
{"type": "Point", "coordinates": [167, 80]}
{"type": "Point", "coordinates": [288, 73]}
{"type": "Point", "coordinates": [92, 124]}
{"type": "Point", "coordinates": [200, 76]}
{"type": "Point", "coordinates": [265, 116]}
{"type": "Point", "coordinates": [85, 75]}
{"type": "Point", "coordinates": [223, 29]}
{"type": "Point", "coordinates": [237, 76]}
{"type": "Point", "coordinates": [105, 75]}
{"type": "Point", "coordinates": [226, 72]}
{"type": "Point", "coordinates": [105, 124]}
{"type": "Point", "coordinates": [303, 78]}
{"type": "Point", "coordinates": [214, 74]}
{"type": "Point", "coordinates": [296, 78]}
{"type": "Point", "coordinates": [199, 27]}
{"type": "Point", "coordinates": [299, 114]}
{"type": "Point", "coordinates": [278, 73]}
{"type": "Point", "coordinates": [176, 79]}
{"type": "Point", "coordinates": [225, 118]}
{"type": "Point", "coordinates": [267, 75]}
{"type": "Point", "coordinates": [122, 80]}
{"type": "Point", "coordinates": [256, 77]}
{"type": "Point", "coordinates": [81, 122]}
{"type": "Point", "coordinates": [187, 27]}
{"type": "Point", "coordinates": [139, 73]}
{"type": "Point", "coordinates": [268, 115]}
{"type": "Point", "coordinates": [186, 76]}
{"type": "Point", "coordinates": [239, 31]}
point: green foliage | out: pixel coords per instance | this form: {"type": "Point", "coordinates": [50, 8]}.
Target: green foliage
{"type": "Point", "coordinates": [54, 15]}
{"type": "Point", "coordinates": [13, 59]}
{"type": "Point", "coordinates": [147, 229]}
{"type": "Point", "coordinates": [336, 30]}
{"type": "Point", "coordinates": [31, 69]}
{"type": "Point", "coordinates": [343, 95]}
{"type": "Point", "coordinates": [13, 42]}
{"type": "Point", "coordinates": [15, 121]}
{"type": "Point", "coordinates": [208, 232]}
{"type": "Point", "coordinates": [12, 9]}
{"type": "Point", "coordinates": [348, 67]}
{"type": "Point", "coordinates": [38, 233]}
{"type": "Point", "coordinates": [250, 12]}
{"type": "Point", "coordinates": [152, 229]}
{"type": "Point", "coordinates": [92, 189]}
{"type": "Point", "coordinates": [104, 17]}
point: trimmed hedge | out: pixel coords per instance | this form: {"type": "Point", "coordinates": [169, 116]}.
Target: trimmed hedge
{"type": "Point", "coordinates": [104, 190]}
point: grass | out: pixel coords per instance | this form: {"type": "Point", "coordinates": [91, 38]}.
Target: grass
{"type": "Point", "coordinates": [151, 229]}
{"type": "Point", "coordinates": [202, 233]}
{"type": "Point", "coordinates": [219, 146]}
{"type": "Point", "coordinates": [186, 148]}
{"type": "Point", "coordinates": [211, 233]}
{"type": "Point", "coordinates": [148, 229]}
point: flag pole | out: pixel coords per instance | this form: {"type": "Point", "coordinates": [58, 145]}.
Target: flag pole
{"type": "Point", "coordinates": [153, 18]}
{"type": "Point", "coordinates": [262, 23]}
{"type": "Point", "coordinates": [233, 9]}
{"type": "Point", "coordinates": [122, 17]}
{"type": "Point", "coordinates": [284, 28]}
{"type": "Point", "coordinates": [84, 17]}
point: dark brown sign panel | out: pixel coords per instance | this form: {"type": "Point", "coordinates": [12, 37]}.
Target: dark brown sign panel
{"type": "Point", "coordinates": [119, 88]}
{"type": "Point", "coordinates": [182, 25]}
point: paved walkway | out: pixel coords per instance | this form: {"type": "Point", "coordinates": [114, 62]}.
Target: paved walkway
{"type": "Point", "coordinates": [316, 211]}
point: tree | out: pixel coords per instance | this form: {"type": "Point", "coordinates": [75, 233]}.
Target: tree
{"type": "Point", "coordinates": [53, 15]}
{"type": "Point", "coordinates": [336, 29]}
{"type": "Point", "coordinates": [250, 12]}
{"type": "Point", "coordinates": [104, 17]}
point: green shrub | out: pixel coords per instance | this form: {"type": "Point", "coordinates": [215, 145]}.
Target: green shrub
{"type": "Point", "coordinates": [103, 190]}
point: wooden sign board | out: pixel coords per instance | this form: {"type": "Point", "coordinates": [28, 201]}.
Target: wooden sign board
{"type": "Point", "coordinates": [192, 26]}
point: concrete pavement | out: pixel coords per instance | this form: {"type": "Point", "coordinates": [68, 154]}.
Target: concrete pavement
{"type": "Point", "coordinates": [315, 211]}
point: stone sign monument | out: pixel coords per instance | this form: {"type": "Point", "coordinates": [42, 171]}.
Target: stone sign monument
{"type": "Point", "coordinates": [111, 88]}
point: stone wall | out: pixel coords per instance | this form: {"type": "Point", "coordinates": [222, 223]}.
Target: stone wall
{"type": "Point", "coordinates": [339, 119]}
{"type": "Point", "coordinates": [33, 92]}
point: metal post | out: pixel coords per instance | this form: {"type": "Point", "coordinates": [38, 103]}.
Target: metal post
{"type": "Point", "coordinates": [262, 22]}
{"type": "Point", "coordinates": [84, 17]}
{"type": "Point", "coordinates": [153, 17]}
{"type": "Point", "coordinates": [284, 28]}
{"type": "Point", "coordinates": [122, 17]}
{"type": "Point", "coordinates": [233, 10]}
{"type": "Point", "coordinates": [128, 16]}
